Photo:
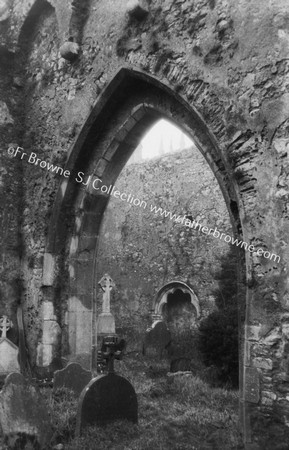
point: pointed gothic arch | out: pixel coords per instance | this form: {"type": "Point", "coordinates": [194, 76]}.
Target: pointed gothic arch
{"type": "Point", "coordinates": [131, 103]}
{"type": "Point", "coordinates": [161, 298]}
{"type": "Point", "coordinates": [121, 115]}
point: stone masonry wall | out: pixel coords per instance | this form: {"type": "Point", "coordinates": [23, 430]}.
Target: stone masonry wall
{"type": "Point", "coordinates": [228, 61]}
{"type": "Point", "coordinates": [11, 247]}
{"type": "Point", "coordinates": [142, 251]}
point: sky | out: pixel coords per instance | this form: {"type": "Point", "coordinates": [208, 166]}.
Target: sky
{"type": "Point", "coordinates": [164, 134]}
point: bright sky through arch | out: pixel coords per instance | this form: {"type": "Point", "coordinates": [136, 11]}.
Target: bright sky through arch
{"type": "Point", "coordinates": [162, 138]}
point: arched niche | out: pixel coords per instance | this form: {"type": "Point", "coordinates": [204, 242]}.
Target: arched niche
{"type": "Point", "coordinates": [161, 298]}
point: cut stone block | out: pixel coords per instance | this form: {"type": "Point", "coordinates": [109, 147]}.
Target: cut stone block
{"type": "Point", "coordinates": [48, 269]}
{"type": "Point", "coordinates": [48, 311]}
{"type": "Point", "coordinates": [44, 354]}
{"type": "Point", "coordinates": [263, 363]}
{"type": "Point", "coordinates": [4, 10]}
{"type": "Point", "coordinates": [105, 324]}
{"type": "Point", "coordinates": [51, 332]}
{"type": "Point", "coordinates": [5, 116]}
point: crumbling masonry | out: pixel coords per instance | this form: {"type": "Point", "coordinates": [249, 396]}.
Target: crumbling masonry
{"type": "Point", "coordinates": [80, 82]}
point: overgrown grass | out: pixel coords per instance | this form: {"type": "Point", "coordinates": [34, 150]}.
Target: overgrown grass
{"type": "Point", "coordinates": [175, 413]}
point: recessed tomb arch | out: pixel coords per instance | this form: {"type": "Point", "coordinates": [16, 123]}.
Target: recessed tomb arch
{"type": "Point", "coordinates": [163, 293]}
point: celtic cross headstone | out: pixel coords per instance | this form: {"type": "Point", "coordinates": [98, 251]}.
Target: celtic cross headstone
{"type": "Point", "coordinates": [105, 322]}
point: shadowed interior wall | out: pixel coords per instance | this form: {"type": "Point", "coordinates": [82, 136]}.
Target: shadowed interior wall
{"type": "Point", "coordinates": [142, 250]}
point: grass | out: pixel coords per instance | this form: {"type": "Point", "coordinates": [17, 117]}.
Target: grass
{"type": "Point", "coordinates": [179, 412]}
{"type": "Point", "coordinates": [175, 413]}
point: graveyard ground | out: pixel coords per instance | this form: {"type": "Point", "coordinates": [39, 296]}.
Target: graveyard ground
{"type": "Point", "coordinates": [176, 412]}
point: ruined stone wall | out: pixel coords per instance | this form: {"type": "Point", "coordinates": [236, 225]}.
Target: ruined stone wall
{"type": "Point", "coordinates": [227, 60]}
{"type": "Point", "coordinates": [142, 251]}
{"type": "Point", "coordinates": [38, 49]}
{"type": "Point", "coordinates": [10, 191]}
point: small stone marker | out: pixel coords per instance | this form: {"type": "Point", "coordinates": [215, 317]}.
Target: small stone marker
{"type": "Point", "coordinates": [156, 340]}
{"type": "Point", "coordinates": [23, 415]}
{"type": "Point", "coordinates": [8, 350]}
{"type": "Point", "coordinates": [107, 398]}
{"type": "Point", "coordinates": [73, 377]}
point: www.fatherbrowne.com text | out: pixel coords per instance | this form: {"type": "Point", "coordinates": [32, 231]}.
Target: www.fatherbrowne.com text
{"type": "Point", "coordinates": [95, 183]}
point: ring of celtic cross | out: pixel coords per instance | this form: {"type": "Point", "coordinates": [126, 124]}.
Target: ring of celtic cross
{"type": "Point", "coordinates": [5, 324]}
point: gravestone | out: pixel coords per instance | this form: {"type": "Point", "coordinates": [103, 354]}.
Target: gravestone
{"type": "Point", "coordinates": [181, 365]}
{"type": "Point", "coordinates": [14, 378]}
{"type": "Point", "coordinates": [106, 398]}
{"type": "Point", "coordinates": [73, 377]}
{"type": "Point", "coordinates": [8, 350]}
{"type": "Point", "coordinates": [105, 322]}
{"type": "Point", "coordinates": [156, 340]}
{"type": "Point", "coordinates": [24, 417]}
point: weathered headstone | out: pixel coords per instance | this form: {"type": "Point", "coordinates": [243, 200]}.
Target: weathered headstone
{"type": "Point", "coordinates": [156, 340]}
{"type": "Point", "coordinates": [73, 377]}
{"type": "Point", "coordinates": [105, 321]}
{"type": "Point", "coordinates": [23, 415]}
{"type": "Point", "coordinates": [69, 50]}
{"type": "Point", "coordinates": [181, 365]}
{"type": "Point", "coordinates": [8, 350]}
{"type": "Point", "coordinates": [14, 378]}
{"type": "Point", "coordinates": [107, 398]}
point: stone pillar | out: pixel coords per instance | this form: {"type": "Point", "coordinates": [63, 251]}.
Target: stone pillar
{"type": "Point", "coordinates": [47, 349]}
{"type": "Point", "coordinates": [79, 332]}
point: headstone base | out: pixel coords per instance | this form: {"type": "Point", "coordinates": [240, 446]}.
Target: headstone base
{"type": "Point", "coordinates": [105, 324]}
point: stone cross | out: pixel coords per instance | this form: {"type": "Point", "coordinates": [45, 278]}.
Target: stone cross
{"type": "Point", "coordinates": [5, 325]}
{"type": "Point", "coordinates": [106, 284]}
